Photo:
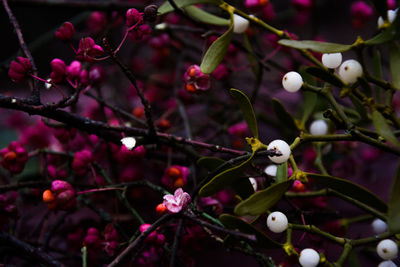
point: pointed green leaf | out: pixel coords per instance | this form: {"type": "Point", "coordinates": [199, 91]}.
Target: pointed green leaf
{"type": "Point", "coordinates": [263, 200]}
{"type": "Point", "coordinates": [310, 101]}
{"type": "Point", "coordinates": [205, 17]}
{"type": "Point", "coordinates": [322, 47]}
{"type": "Point", "coordinates": [210, 163]}
{"type": "Point", "coordinates": [394, 52]}
{"type": "Point", "coordinates": [247, 110]}
{"type": "Point", "coordinates": [377, 71]}
{"type": "Point", "coordinates": [360, 108]}
{"type": "Point", "coordinates": [232, 222]}
{"type": "Point", "coordinates": [166, 7]}
{"type": "Point", "coordinates": [325, 76]}
{"type": "Point", "coordinates": [284, 116]}
{"type": "Point", "coordinates": [282, 172]}
{"type": "Point", "coordinates": [255, 67]}
{"type": "Point", "coordinates": [216, 52]}
{"type": "Point", "coordinates": [383, 128]}
{"type": "Point", "coordinates": [350, 189]}
{"type": "Point", "coordinates": [225, 178]}
{"type": "Point", "coordinates": [394, 205]}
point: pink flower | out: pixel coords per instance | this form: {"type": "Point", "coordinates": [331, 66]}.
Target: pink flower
{"type": "Point", "coordinates": [196, 80]}
{"type": "Point", "coordinates": [88, 50]}
{"type": "Point", "coordinates": [19, 69]}
{"type": "Point", "coordinates": [133, 16]}
{"type": "Point", "coordinates": [175, 203]}
{"type": "Point", "coordinates": [65, 32]}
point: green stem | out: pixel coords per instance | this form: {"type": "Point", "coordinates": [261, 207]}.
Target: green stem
{"type": "Point", "coordinates": [315, 230]}
{"type": "Point", "coordinates": [346, 252]}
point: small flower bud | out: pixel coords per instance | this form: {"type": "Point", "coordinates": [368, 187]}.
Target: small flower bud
{"type": "Point", "coordinates": [88, 50]}
{"type": "Point", "coordinates": [19, 69]}
{"type": "Point", "coordinates": [65, 32]}
{"type": "Point", "coordinates": [133, 16]}
{"type": "Point", "coordinates": [58, 70]}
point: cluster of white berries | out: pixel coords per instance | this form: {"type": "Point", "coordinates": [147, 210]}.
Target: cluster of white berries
{"type": "Point", "coordinates": [240, 24]}
{"type": "Point", "coordinates": [319, 127]}
{"type": "Point", "coordinates": [282, 147]}
{"type": "Point", "coordinates": [391, 15]}
{"type": "Point", "coordinates": [309, 258]}
{"type": "Point", "coordinates": [129, 142]}
{"type": "Point", "coordinates": [277, 222]}
{"type": "Point", "coordinates": [387, 249]}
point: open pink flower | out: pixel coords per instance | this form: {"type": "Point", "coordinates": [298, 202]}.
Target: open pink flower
{"type": "Point", "coordinates": [175, 203]}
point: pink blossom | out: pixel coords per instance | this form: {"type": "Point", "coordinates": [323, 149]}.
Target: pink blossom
{"type": "Point", "coordinates": [65, 32]}
{"type": "Point", "coordinates": [19, 69]}
{"type": "Point", "coordinates": [175, 203]}
{"type": "Point", "coordinates": [196, 80]}
{"type": "Point", "coordinates": [88, 50]}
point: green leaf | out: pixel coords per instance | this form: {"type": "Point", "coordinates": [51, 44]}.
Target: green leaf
{"type": "Point", "coordinates": [225, 178]}
{"type": "Point", "coordinates": [255, 67]}
{"type": "Point", "coordinates": [394, 205]}
{"type": "Point", "coordinates": [325, 76]}
{"type": "Point", "coordinates": [322, 47]}
{"type": "Point", "coordinates": [394, 52]}
{"type": "Point", "coordinates": [282, 172]}
{"type": "Point", "coordinates": [381, 7]}
{"type": "Point", "coordinates": [232, 222]}
{"type": "Point", "coordinates": [383, 128]}
{"type": "Point", "coordinates": [284, 116]}
{"type": "Point", "coordinates": [263, 200]}
{"type": "Point", "coordinates": [166, 7]}
{"type": "Point", "coordinates": [310, 101]}
{"type": "Point", "coordinates": [216, 52]}
{"type": "Point", "coordinates": [205, 17]}
{"type": "Point", "coordinates": [350, 189]}
{"type": "Point", "coordinates": [377, 71]}
{"type": "Point", "coordinates": [210, 163]}
{"type": "Point", "coordinates": [247, 110]}
{"type": "Point", "coordinates": [360, 108]}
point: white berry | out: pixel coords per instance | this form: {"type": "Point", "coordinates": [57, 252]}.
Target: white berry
{"type": "Point", "coordinates": [282, 147]}
{"type": "Point", "coordinates": [271, 170]}
{"type": "Point", "coordinates": [350, 70]}
{"type": "Point", "coordinates": [387, 249]}
{"type": "Point", "coordinates": [319, 127]}
{"type": "Point", "coordinates": [332, 60]}
{"type": "Point", "coordinates": [253, 183]}
{"type": "Point", "coordinates": [292, 81]}
{"type": "Point", "coordinates": [277, 222]}
{"type": "Point", "coordinates": [387, 264]}
{"type": "Point", "coordinates": [240, 24]}
{"type": "Point", "coordinates": [309, 258]}
{"type": "Point", "coordinates": [129, 142]}
{"type": "Point", "coordinates": [379, 226]}
{"type": "Point", "coordinates": [391, 15]}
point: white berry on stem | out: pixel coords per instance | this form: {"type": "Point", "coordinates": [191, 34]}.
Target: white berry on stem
{"type": "Point", "coordinates": [350, 70]}
{"type": "Point", "coordinates": [387, 249]}
{"type": "Point", "coordinates": [332, 60]}
{"type": "Point", "coordinates": [309, 258]}
{"type": "Point", "coordinates": [281, 147]}
{"type": "Point", "coordinates": [240, 24]}
{"type": "Point", "coordinates": [277, 222]}
{"type": "Point", "coordinates": [379, 226]}
{"type": "Point", "coordinates": [292, 81]}
{"type": "Point", "coordinates": [319, 127]}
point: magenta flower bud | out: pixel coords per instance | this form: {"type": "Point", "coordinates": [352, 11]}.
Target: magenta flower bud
{"type": "Point", "coordinates": [74, 70]}
{"type": "Point", "coordinates": [14, 157]}
{"type": "Point", "coordinates": [221, 72]}
{"type": "Point", "coordinates": [65, 32]}
{"type": "Point", "coordinates": [19, 69]}
{"type": "Point", "coordinates": [84, 78]}
{"type": "Point", "coordinates": [97, 21]}
{"type": "Point", "coordinates": [58, 70]}
{"type": "Point", "coordinates": [52, 171]}
{"type": "Point", "coordinates": [88, 50]}
{"type": "Point", "coordinates": [144, 227]}
{"type": "Point", "coordinates": [133, 16]}
{"type": "Point", "coordinates": [93, 231]}
{"type": "Point", "coordinates": [391, 4]}
{"type": "Point", "coordinates": [140, 32]}
{"type": "Point", "coordinates": [97, 75]}
{"type": "Point", "coordinates": [160, 240]}
{"type": "Point", "coordinates": [58, 186]}
{"type": "Point", "coordinates": [268, 12]}
{"type": "Point", "coordinates": [81, 162]}
{"type": "Point", "coordinates": [239, 129]}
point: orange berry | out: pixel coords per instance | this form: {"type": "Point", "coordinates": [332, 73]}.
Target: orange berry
{"type": "Point", "coordinates": [161, 209]}
{"type": "Point", "coordinates": [190, 88]}
{"type": "Point", "coordinates": [9, 156]}
{"type": "Point", "coordinates": [138, 112]}
{"type": "Point", "coordinates": [192, 72]}
{"type": "Point", "coordinates": [48, 196]}
{"type": "Point", "coordinates": [179, 183]}
{"type": "Point", "coordinates": [263, 2]}
{"type": "Point", "coordinates": [298, 186]}
{"type": "Point", "coordinates": [174, 172]}
{"type": "Point", "coordinates": [164, 124]}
